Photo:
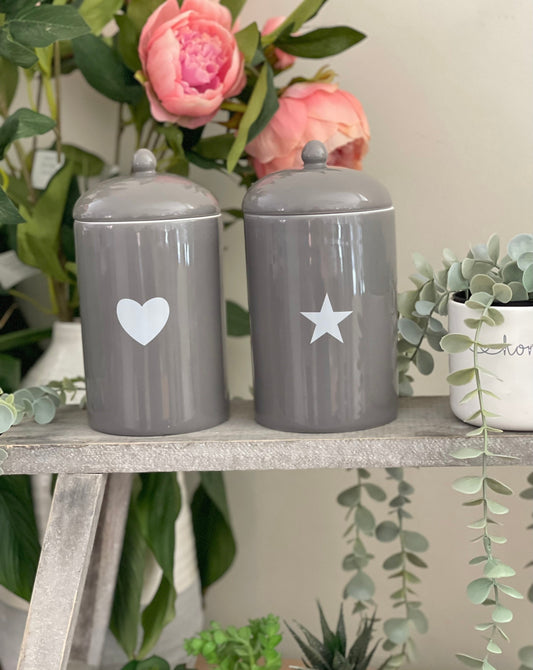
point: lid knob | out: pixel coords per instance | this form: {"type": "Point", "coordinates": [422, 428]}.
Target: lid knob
{"type": "Point", "coordinates": [143, 161]}
{"type": "Point", "coordinates": [314, 155]}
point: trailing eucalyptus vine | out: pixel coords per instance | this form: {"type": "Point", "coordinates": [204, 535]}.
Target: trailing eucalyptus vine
{"type": "Point", "coordinates": [526, 653]}
{"type": "Point", "coordinates": [486, 282]}
{"type": "Point", "coordinates": [401, 563]}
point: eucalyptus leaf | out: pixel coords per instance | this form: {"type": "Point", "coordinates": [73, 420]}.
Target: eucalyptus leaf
{"type": "Point", "coordinates": [502, 292]}
{"type": "Point", "coordinates": [467, 452]}
{"type": "Point", "coordinates": [424, 307]}
{"type": "Point", "coordinates": [493, 248]}
{"type": "Point", "coordinates": [519, 245]}
{"type": "Point", "coordinates": [481, 283]}
{"type": "Point", "coordinates": [495, 569]}
{"type": "Point", "coordinates": [410, 331]}
{"type": "Point", "coordinates": [519, 292]}
{"type": "Point", "coordinates": [419, 619]}
{"type": "Point", "coordinates": [470, 661]}
{"type": "Point", "coordinates": [387, 531]}
{"type": "Point", "coordinates": [375, 492]}
{"type": "Point", "coordinates": [424, 362]}
{"type": "Point", "coordinates": [461, 377]}
{"type": "Point", "coordinates": [397, 630]}
{"type": "Point", "coordinates": [44, 410]}
{"type": "Point", "coordinates": [498, 487]}
{"type": "Point", "coordinates": [527, 279]}
{"type": "Point", "coordinates": [526, 656]}
{"type": "Point", "coordinates": [393, 562]}
{"type": "Point", "coordinates": [478, 590]}
{"type": "Point", "coordinates": [360, 587]}
{"type": "Point", "coordinates": [511, 272]}
{"type": "Point", "coordinates": [350, 497]}
{"type": "Point", "coordinates": [455, 343]}
{"type": "Point", "coordinates": [364, 519]}
{"type": "Point", "coordinates": [502, 614]}
{"type": "Point", "coordinates": [414, 541]}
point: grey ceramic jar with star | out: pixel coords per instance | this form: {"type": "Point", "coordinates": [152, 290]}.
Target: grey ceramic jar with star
{"type": "Point", "coordinates": [153, 323]}
{"type": "Point", "coordinates": [321, 264]}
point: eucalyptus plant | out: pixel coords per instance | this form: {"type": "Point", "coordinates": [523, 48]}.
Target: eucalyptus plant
{"type": "Point", "coordinates": [486, 282]}
{"type": "Point", "coordinates": [401, 564]}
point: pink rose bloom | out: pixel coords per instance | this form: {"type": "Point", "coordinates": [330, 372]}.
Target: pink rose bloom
{"type": "Point", "coordinates": [312, 111]}
{"type": "Point", "coordinates": [190, 60]}
{"type": "Point", "coordinates": [283, 60]}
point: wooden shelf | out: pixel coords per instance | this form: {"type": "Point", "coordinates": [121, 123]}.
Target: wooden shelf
{"type": "Point", "coordinates": [424, 434]}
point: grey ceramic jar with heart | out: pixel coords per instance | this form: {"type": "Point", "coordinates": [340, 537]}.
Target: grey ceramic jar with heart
{"type": "Point", "coordinates": [148, 255]}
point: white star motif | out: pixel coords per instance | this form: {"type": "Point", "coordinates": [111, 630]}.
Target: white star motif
{"type": "Point", "coordinates": [326, 321]}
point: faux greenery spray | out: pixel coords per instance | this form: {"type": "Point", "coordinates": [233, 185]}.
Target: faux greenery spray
{"type": "Point", "coordinates": [251, 647]}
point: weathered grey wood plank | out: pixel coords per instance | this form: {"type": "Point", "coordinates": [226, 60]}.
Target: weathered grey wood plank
{"type": "Point", "coordinates": [97, 601]}
{"type": "Point", "coordinates": [61, 573]}
{"type": "Point", "coordinates": [424, 434]}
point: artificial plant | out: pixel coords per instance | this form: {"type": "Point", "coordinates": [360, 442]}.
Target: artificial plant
{"type": "Point", "coordinates": [486, 283]}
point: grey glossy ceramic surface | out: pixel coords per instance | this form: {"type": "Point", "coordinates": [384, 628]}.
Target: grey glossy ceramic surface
{"type": "Point", "coordinates": [316, 189]}
{"type": "Point", "coordinates": [152, 323]}
{"type": "Point", "coordinates": [322, 295]}
{"type": "Point", "coordinates": [145, 196]}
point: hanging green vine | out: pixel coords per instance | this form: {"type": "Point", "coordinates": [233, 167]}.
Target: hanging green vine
{"type": "Point", "coordinates": [526, 653]}
{"type": "Point", "coordinates": [489, 589]}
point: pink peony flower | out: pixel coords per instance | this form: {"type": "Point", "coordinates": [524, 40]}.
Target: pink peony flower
{"type": "Point", "coordinates": [312, 111]}
{"type": "Point", "coordinates": [190, 60]}
{"type": "Point", "coordinates": [283, 60]}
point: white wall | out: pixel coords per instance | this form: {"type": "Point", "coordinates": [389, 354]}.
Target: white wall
{"type": "Point", "coordinates": [448, 93]}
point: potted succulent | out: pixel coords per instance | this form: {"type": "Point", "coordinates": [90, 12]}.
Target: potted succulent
{"type": "Point", "coordinates": [489, 301]}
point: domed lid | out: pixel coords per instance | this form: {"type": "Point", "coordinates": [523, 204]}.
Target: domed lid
{"type": "Point", "coordinates": [145, 196]}
{"type": "Point", "coordinates": [316, 189]}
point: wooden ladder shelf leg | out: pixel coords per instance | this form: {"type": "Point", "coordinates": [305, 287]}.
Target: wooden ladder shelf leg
{"type": "Point", "coordinates": [62, 570]}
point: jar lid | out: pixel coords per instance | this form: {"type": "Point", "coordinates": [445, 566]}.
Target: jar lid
{"type": "Point", "coordinates": [316, 189]}
{"type": "Point", "coordinates": [145, 196]}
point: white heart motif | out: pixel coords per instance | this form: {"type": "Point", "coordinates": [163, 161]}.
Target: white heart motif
{"type": "Point", "coordinates": [143, 322]}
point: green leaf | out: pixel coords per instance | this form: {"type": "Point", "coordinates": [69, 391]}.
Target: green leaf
{"type": "Point", "coordinates": [126, 612]}
{"type": "Point", "coordinates": [234, 7]}
{"type": "Point", "coordinates": [424, 362]}
{"type": "Point", "coordinates": [305, 11]}
{"type": "Point", "coordinates": [502, 614]}
{"type": "Point", "coordinates": [455, 343]}
{"type": "Point", "coordinates": [98, 13]}
{"type": "Point", "coordinates": [14, 52]}
{"type": "Point", "coordinates": [456, 281]}
{"type": "Point", "coordinates": [9, 77]}
{"type": "Point", "coordinates": [478, 590]}
{"type": "Point", "coordinates": [104, 71]}
{"type": "Point", "coordinates": [393, 562]}
{"type": "Point", "coordinates": [10, 373]}
{"type": "Point", "coordinates": [495, 569]}
{"type": "Point", "coordinates": [509, 591]}
{"type": "Point", "coordinates": [38, 240]}
{"type": "Point", "coordinates": [349, 497]}
{"type": "Point", "coordinates": [498, 487]}
{"type": "Point", "coordinates": [253, 110]}
{"type": "Point", "coordinates": [527, 279]}
{"type": "Point", "coordinates": [395, 473]}
{"type": "Point", "coordinates": [215, 544]}
{"type": "Point", "coordinates": [364, 520]}
{"type": "Point", "coordinates": [9, 214]}
{"type": "Point", "coordinates": [23, 123]}
{"type": "Point", "coordinates": [410, 331]}
{"type": "Point", "coordinates": [470, 661]}
{"type": "Point", "coordinates": [481, 283]}
{"type": "Point", "coordinates": [215, 147]}
{"type": "Point", "coordinates": [414, 541]}
{"type": "Point", "coordinates": [248, 40]}
{"type": "Point", "coordinates": [467, 452]}
{"type": "Point", "coordinates": [419, 619]}
{"type": "Point", "coordinates": [461, 377]}
{"type": "Point", "coordinates": [424, 307]}
{"type": "Point", "coordinates": [128, 41]}
{"type": "Point", "coordinates": [496, 508]}
{"type": "Point", "coordinates": [21, 338]}
{"type": "Point", "coordinates": [397, 630]}
{"type": "Point", "coordinates": [502, 292]}
{"type": "Point", "coordinates": [416, 560]}
{"type": "Point", "coordinates": [468, 485]}
{"type": "Point", "coordinates": [45, 24]}
{"type": "Point", "coordinates": [84, 163]}
{"type": "Point", "coordinates": [387, 531]}
{"type": "Point", "coordinates": [526, 656]}
{"type": "Point", "coordinates": [493, 248]}
{"type": "Point", "coordinates": [360, 587]}
{"type": "Point", "coordinates": [44, 410]}
{"type": "Point", "coordinates": [320, 43]}
{"type": "Point", "coordinates": [238, 320]}
{"type": "Point", "coordinates": [157, 507]}
{"type": "Point", "coordinates": [269, 108]}
{"type": "Point", "coordinates": [19, 548]}
{"type": "Point", "coordinates": [519, 245]}
{"type": "Point", "coordinates": [375, 492]}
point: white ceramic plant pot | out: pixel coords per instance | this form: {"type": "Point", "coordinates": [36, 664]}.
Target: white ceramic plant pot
{"type": "Point", "coordinates": [512, 365]}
